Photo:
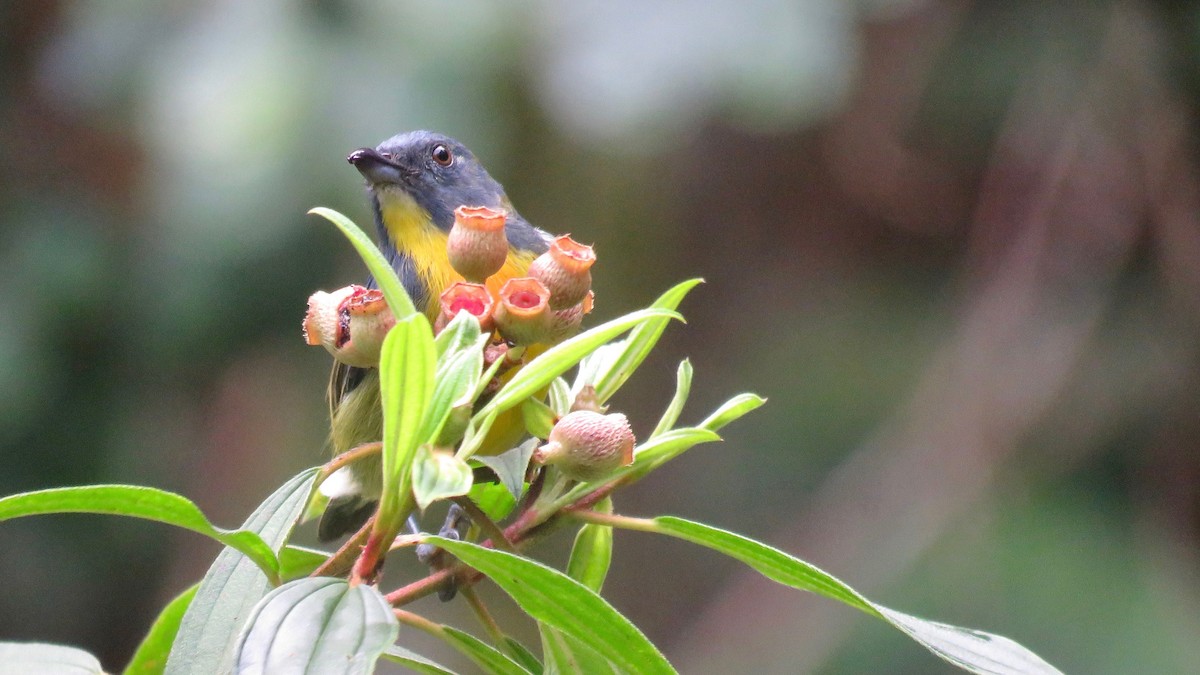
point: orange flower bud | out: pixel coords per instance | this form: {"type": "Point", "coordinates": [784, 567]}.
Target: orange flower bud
{"type": "Point", "coordinates": [565, 269]}
{"type": "Point", "coordinates": [350, 323]}
{"type": "Point", "coordinates": [476, 246]}
{"type": "Point", "coordinates": [586, 445]}
{"type": "Point", "coordinates": [473, 299]}
{"type": "Point", "coordinates": [523, 315]}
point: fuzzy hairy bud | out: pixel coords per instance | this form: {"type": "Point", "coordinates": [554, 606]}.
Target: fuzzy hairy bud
{"type": "Point", "coordinates": [587, 445]}
{"type": "Point", "coordinates": [350, 323]}
{"type": "Point", "coordinates": [565, 269]}
{"type": "Point", "coordinates": [477, 247]}
{"type": "Point", "coordinates": [523, 314]}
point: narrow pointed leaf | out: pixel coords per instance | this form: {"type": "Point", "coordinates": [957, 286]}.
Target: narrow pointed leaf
{"type": "Point", "coordinates": [438, 475]}
{"type": "Point", "coordinates": [538, 417]}
{"type": "Point", "coordinates": [592, 552]}
{"type": "Point", "coordinates": [521, 654]}
{"type": "Point", "coordinates": [298, 561]}
{"type": "Point", "coordinates": [639, 343]}
{"type": "Point", "coordinates": [461, 333]}
{"type": "Point", "coordinates": [231, 587]}
{"type": "Point", "coordinates": [39, 657]}
{"type": "Point", "coordinates": [456, 379]}
{"type": "Point", "coordinates": [731, 410]}
{"type": "Point", "coordinates": [559, 397]}
{"type": "Point", "coordinates": [381, 270]}
{"type": "Point", "coordinates": [553, 598]}
{"type": "Point", "coordinates": [138, 502]}
{"type": "Point", "coordinates": [406, 375]}
{"type": "Point", "coordinates": [414, 661]}
{"type": "Point", "coordinates": [560, 358]}
{"type": "Point", "coordinates": [317, 625]}
{"type": "Point", "coordinates": [683, 387]}
{"type": "Point", "coordinates": [151, 655]}
{"type": "Point", "coordinates": [975, 651]}
{"type": "Point", "coordinates": [487, 657]}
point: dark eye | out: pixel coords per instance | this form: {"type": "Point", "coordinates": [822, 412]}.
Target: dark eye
{"type": "Point", "coordinates": [441, 155]}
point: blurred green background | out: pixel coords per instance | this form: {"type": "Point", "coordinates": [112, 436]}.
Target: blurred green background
{"type": "Point", "coordinates": [957, 244]}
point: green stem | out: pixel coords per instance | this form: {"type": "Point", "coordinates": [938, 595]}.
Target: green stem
{"type": "Point", "coordinates": [613, 520]}
{"type": "Point", "coordinates": [420, 623]}
{"type": "Point", "coordinates": [485, 523]}
{"type": "Point", "coordinates": [485, 617]}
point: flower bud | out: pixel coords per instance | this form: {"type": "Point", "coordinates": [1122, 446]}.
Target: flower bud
{"type": "Point", "coordinates": [565, 270]}
{"type": "Point", "coordinates": [523, 314]}
{"type": "Point", "coordinates": [565, 322]}
{"type": "Point", "coordinates": [350, 323]}
{"type": "Point", "coordinates": [473, 299]}
{"type": "Point", "coordinates": [477, 247]}
{"type": "Point", "coordinates": [586, 445]}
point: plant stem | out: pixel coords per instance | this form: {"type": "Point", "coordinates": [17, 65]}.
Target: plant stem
{"type": "Point", "coordinates": [485, 617]}
{"type": "Point", "coordinates": [485, 523]}
{"type": "Point", "coordinates": [349, 457]}
{"type": "Point", "coordinates": [419, 622]}
{"type": "Point", "coordinates": [613, 520]}
{"type": "Point", "coordinates": [342, 561]}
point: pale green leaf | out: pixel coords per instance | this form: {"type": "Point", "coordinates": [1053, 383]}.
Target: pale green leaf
{"type": "Point", "coordinates": [731, 410]}
{"type": "Point", "coordinates": [24, 658]}
{"type": "Point", "coordinates": [484, 655]}
{"type": "Point", "coordinates": [439, 475]}
{"type": "Point", "coordinates": [317, 625]}
{"type": "Point", "coordinates": [231, 587]}
{"type": "Point", "coordinates": [592, 552]}
{"type": "Point", "coordinates": [510, 467]}
{"type": "Point", "coordinates": [406, 377]}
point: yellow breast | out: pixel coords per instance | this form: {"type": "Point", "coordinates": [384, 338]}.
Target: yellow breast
{"type": "Point", "coordinates": [414, 235]}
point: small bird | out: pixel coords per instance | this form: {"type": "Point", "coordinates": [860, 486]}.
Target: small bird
{"type": "Point", "coordinates": [415, 182]}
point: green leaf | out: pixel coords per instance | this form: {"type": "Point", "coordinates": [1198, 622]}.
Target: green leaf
{"type": "Point", "coordinates": [493, 499]}
{"type": "Point", "coordinates": [592, 552]}
{"type": "Point", "coordinates": [731, 410]}
{"type": "Point", "coordinates": [151, 655]}
{"type": "Point", "coordinates": [455, 380]}
{"type": "Point", "coordinates": [683, 386]}
{"type": "Point", "coordinates": [640, 342]}
{"type": "Point", "coordinates": [317, 625]}
{"type": "Point", "coordinates": [233, 584]}
{"type": "Point", "coordinates": [538, 417]}
{"type": "Point", "coordinates": [565, 654]}
{"type": "Point", "coordinates": [381, 270]}
{"type": "Point", "coordinates": [555, 361]}
{"type": "Point", "coordinates": [19, 658]}
{"type": "Point", "coordinates": [439, 475]}
{"type": "Point", "coordinates": [521, 654]}
{"type": "Point", "coordinates": [138, 502]}
{"type": "Point", "coordinates": [510, 467]}
{"type": "Point", "coordinates": [298, 561]}
{"type": "Point", "coordinates": [459, 335]}
{"type": "Point", "coordinates": [414, 661]}
{"type": "Point", "coordinates": [552, 597]}
{"type": "Point", "coordinates": [650, 455]}
{"type": "Point", "coordinates": [975, 651]}
{"type": "Point", "coordinates": [487, 657]}
{"type": "Point", "coordinates": [559, 397]}
{"type": "Point", "coordinates": [407, 364]}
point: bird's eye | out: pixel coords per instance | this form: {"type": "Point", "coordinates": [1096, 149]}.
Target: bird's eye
{"type": "Point", "coordinates": [441, 155]}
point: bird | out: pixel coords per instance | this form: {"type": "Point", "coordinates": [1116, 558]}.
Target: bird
{"type": "Point", "coordinates": [415, 181]}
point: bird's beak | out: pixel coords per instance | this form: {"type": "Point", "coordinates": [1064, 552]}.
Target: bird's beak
{"type": "Point", "coordinates": [377, 169]}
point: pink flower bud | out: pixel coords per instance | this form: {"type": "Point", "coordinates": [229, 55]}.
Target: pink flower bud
{"type": "Point", "coordinates": [586, 445]}
{"type": "Point", "coordinates": [523, 315]}
{"type": "Point", "coordinates": [350, 323]}
{"type": "Point", "coordinates": [565, 269]}
{"type": "Point", "coordinates": [474, 299]}
{"type": "Point", "coordinates": [476, 246]}
{"type": "Point", "coordinates": [565, 322]}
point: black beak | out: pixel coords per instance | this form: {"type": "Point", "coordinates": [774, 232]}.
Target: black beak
{"type": "Point", "coordinates": [376, 168]}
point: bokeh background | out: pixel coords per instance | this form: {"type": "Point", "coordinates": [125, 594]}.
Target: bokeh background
{"type": "Point", "coordinates": [957, 244]}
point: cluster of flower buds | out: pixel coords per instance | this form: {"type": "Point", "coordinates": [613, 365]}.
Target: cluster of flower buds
{"type": "Point", "coordinates": [586, 445]}
{"type": "Point", "coordinates": [544, 307]}
{"type": "Point", "coordinates": [350, 323]}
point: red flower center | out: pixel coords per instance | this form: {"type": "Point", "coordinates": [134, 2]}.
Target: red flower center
{"type": "Point", "coordinates": [473, 306]}
{"type": "Point", "coordinates": [525, 299]}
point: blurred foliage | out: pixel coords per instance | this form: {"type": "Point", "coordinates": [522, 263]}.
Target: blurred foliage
{"type": "Point", "coordinates": [857, 181]}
